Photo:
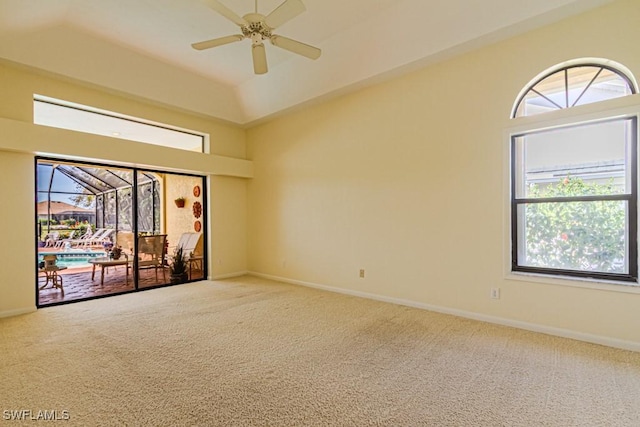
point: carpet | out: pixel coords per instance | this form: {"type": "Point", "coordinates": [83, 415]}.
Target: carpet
{"type": "Point", "coordinates": [249, 351]}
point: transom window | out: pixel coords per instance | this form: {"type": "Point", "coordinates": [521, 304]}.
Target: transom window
{"type": "Point", "coordinates": [67, 115]}
{"type": "Point", "coordinates": [571, 86]}
{"type": "Point", "coordinates": [574, 187]}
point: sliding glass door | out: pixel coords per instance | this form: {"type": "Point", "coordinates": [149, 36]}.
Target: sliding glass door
{"type": "Point", "coordinates": [105, 230]}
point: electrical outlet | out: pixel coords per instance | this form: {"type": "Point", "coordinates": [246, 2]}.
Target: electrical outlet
{"type": "Point", "coordinates": [362, 273]}
{"type": "Point", "coordinates": [495, 293]}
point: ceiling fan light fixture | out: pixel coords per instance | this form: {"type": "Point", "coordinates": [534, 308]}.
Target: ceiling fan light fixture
{"type": "Point", "coordinates": [256, 38]}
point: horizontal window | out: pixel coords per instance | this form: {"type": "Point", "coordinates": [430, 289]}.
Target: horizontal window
{"type": "Point", "coordinates": [65, 115]}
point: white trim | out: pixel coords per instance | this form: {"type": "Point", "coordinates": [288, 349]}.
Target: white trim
{"type": "Point", "coordinates": [549, 330]}
{"type": "Point", "coordinates": [576, 282]}
{"type": "Point", "coordinates": [230, 275]}
{"type": "Point", "coordinates": [17, 312]}
{"type": "Point", "coordinates": [610, 109]}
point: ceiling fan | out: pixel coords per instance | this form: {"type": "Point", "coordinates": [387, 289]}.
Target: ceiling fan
{"type": "Point", "coordinates": [258, 28]}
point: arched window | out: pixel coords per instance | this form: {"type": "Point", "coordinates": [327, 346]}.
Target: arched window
{"type": "Point", "coordinates": [572, 85]}
{"type": "Point", "coordinates": [574, 186]}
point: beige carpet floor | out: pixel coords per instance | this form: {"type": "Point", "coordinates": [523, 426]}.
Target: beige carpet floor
{"type": "Point", "coordinates": [249, 351]}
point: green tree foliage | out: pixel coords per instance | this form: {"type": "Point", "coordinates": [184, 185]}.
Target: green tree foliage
{"type": "Point", "coordinates": [587, 236]}
{"type": "Point", "coordinates": [81, 199]}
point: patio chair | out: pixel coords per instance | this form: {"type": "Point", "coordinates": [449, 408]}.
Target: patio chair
{"type": "Point", "coordinates": [151, 253]}
{"type": "Point", "coordinates": [83, 239]}
{"type": "Point", "coordinates": [62, 242]}
{"type": "Point", "coordinates": [100, 239]}
{"type": "Point", "coordinates": [51, 239]}
{"type": "Point", "coordinates": [191, 244]}
{"type": "Point", "coordinates": [124, 239]}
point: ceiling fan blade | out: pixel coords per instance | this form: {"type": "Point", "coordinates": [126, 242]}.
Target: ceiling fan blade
{"type": "Point", "coordinates": [296, 47]}
{"type": "Point", "coordinates": [259, 59]}
{"type": "Point", "coordinates": [285, 12]}
{"type": "Point", "coordinates": [217, 42]}
{"type": "Point", "coordinates": [226, 12]}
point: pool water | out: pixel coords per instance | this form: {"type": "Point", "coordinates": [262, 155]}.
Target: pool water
{"type": "Point", "coordinates": [75, 259]}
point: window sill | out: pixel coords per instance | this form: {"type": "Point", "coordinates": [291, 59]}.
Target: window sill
{"type": "Point", "coordinates": [576, 282]}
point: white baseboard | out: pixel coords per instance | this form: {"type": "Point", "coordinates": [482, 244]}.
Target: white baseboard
{"type": "Point", "coordinates": [229, 275]}
{"type": "Point", "coordinates": [549, 330]}
{"type": "Point", "coordinates": [18, 311]}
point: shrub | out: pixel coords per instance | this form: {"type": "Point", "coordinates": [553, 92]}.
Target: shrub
{"type": "Point", "coordinates": [576, 235]}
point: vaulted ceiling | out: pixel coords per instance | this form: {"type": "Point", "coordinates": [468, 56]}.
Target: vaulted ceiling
{"type": "Point", "coordinates": [143, 47]}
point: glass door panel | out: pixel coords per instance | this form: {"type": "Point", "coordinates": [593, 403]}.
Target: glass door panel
{"type": "Point", "coordinates": [105, 230]}
{"type": "Point", "coordinates": [186, 226]}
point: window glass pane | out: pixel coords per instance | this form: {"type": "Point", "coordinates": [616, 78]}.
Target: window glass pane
{"type": "Point", "coordinates": [100, 211]}
{"type": "Point", "coordinates": [110, 209]}
{"type": "Point", "coordinates": [577, 161]}
{"type": "Point", "coordinates": [607, 85]}
{"type": "Point", "coordinates": [125, 209]}
{"type": "Point", "coordinates": [582, 236]}
{"type": "Point", "coordinates": [52, 112]}
{"type": "Point", "coordinates": [553, 89]}
{"type": "Point", "coordinates": [573, 86]}
{"type": "Point", "coordinates": [534, 104]}
{"type": "Point", "coordinates": [148, 204]}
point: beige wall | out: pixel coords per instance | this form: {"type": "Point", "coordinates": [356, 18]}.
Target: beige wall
{"type": "Point", "coordinates": [20, 140]}
{"type": "Point", "coordinates": [17, 252]}
{"type": "Point", "coordinates": [407, 181]}
{"type": "Point", "coordinates": [179, 220]}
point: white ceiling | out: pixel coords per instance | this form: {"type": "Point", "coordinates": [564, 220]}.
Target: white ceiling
{"type": "Point", "coordinates": [142, 47]}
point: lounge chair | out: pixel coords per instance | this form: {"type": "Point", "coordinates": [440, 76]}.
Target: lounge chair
{"type": "Point", "coordinates": [62, 242]}
{"type": "Point", "coordinates": [191, 244]}
{"type": "Point", "coordinates": [99, 239]}
{"type": "Point", "coordinates": [51, 239]}
{"type": "Point", "coordinates": [82, 239]}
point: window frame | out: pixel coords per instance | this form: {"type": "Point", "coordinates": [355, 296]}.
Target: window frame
{"type": "Point", "coordinates": [607, 109]}
{"type": "Point", "coordinates": [631, 198]}
{"type": "Point", "coordinates": [617, 69]}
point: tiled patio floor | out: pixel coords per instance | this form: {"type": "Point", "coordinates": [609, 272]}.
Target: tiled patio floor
{"type": "Point", "coordinates": [77, 283]}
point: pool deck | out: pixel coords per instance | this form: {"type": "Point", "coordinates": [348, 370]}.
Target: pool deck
{"type": "Point", "coordinates": [78, 284]}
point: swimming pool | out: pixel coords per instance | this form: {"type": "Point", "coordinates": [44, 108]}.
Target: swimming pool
{"type": "Point", "coordinates": [75, 258]}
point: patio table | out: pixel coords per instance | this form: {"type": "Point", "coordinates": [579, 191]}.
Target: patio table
{"type": "Point", "coordinates": [108, 262]}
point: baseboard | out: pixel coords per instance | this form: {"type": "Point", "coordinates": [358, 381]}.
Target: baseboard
{"type": "Point", "coordinates": [549, 330]}
{"type": "Point", "coordinates": [229, 275]}
{"type": "Point", "coordinates": [16, 312]}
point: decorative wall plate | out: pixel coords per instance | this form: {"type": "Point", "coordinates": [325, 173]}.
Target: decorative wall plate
{"type": "Point", "coordinates": [197, 226]}
{"type": "Point", "coordinates": [197, 209]}
{"type": "Point", "coordinates": [196, 191]}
